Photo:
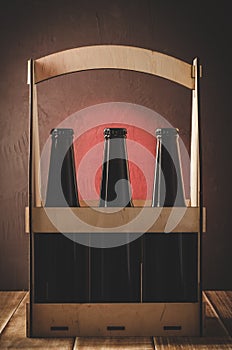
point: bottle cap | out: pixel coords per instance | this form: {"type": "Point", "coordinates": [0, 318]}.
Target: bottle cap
{"type": "Point", "coordinates": [166, 132]}
{"type": "Point", "coordinates": [61, 132]}
{"type": "Point", "coordinates": [114, 132]}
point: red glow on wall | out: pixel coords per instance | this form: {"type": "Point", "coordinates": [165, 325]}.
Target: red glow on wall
{"type": "Point", "coordinates": [141, 154]}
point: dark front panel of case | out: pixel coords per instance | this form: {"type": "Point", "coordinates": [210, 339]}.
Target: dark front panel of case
{"type": "Point", "coordinates": [170, 267]}
{"type": "Point", "coordinates": [61, 269]}
{"type": "Point", "coordinates": [115, 273]}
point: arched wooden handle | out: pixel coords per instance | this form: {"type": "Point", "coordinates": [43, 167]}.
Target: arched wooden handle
{"type": "Point", "coordinates": [114, 57]}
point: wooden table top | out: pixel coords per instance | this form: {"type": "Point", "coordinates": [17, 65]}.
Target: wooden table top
{"type": "Point", "coordinates": [217, 330]}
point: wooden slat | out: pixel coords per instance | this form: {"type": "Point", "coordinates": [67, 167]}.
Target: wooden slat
{"type": "Point", "coordinates": [89, 220]}
{"type": "Point", "coordinates": [193, 343]}
{"type": "Point", "coordinates": [212, 325]}
{"type": "Point", "coordinates": [222, 302]}
{"type": "Point", "coordinates": [9, 302]}
{"type": "Point", "coordinates": [35, 143]}
{"type": "Point", "coordinates": [113, 343]}
{"type": "Point", "coordinates": [14, 334]}
{"type": "Point", "coordinates": [215, 337]}
{"type": "Point", "coordinates": [194, 164]}
{"type": "Point", "coordinates": [129, 319]}
{"type": "Point", "coordinates": [114, 57]}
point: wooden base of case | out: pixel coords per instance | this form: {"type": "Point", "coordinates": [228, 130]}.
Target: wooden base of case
{"type": "Point", "coordinates": [129, 319]}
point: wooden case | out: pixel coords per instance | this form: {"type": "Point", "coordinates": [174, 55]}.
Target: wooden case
{"type": "Point", "coordinates": [122, 319]}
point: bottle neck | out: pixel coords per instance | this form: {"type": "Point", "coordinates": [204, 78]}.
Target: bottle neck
{"type": "Point", "coordinates": [115, 185]}
{"type": "Point", "coordinates": [168, 183]}
{"type": "Point", "coordinates": [62, 186]}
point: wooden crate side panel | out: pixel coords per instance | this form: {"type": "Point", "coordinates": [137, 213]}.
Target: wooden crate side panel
{"type": "Point", "coordinates": [145, 319]}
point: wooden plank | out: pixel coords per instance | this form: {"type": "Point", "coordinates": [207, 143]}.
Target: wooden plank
{"type": "Point", "coordinates": [194, 164]}
{"type": "Point", "coordinates": [14, 334]}
{"type": "Point", "coordinates": [212, 324]}
{"type": "Point", "coordinates": [215, 337]}
{"type": "Point", "coordinates": [113, 343]}
{"type": "Point", "coordinates": [35, 144]}
{"type": "Point", "coordinates": [115, 319]}
{"type": "Point", "coordinates": [222, 303]}
{"type": "Point", "coordinates": [94, 203]}
{"type": "Point", "coordinates": [193, 343]}
{"type": "Point", "coordinates": [114, 57]}
{"type": "Point", "coordinates": [9, 302]}
{"type": "Point", "coordinates": [136, 219]}
{"type": "Point", "coordinates": [42, 223]}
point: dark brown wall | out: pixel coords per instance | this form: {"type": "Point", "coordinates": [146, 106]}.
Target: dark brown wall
{"type": "Point", "coordinates": [36, 28]}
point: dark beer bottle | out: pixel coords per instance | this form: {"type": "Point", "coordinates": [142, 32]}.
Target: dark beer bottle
{"type": "Point", "coordinates": [115, 186]}
{"type": "Point", "coordinates": [115, 270]}
{"type": "Point", "coordinates": [169, 258]}
{"type": "Point", "coordinates": [168, 184]}
{"type": "Point", "coordinates": [62, 186]}
{"type": "Point", "coordinates": [61, 264]}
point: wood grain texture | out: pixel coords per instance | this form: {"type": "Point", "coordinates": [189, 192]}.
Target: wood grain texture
{"type": "Point", "coordinates": [116, 57]}
{"type": "Point", "coordinates": [215, 336]}
{"type": "Point", "coordinates": [14, 334]}
{"type": "Point", "coordinates": [194, 343]}
{"type": "Point", "coordinates": [212, 326]}
{"type": "Point", "coordinates": [133, 319]}
{"type": "Point", "coordinates": [113, 343]}
{"type": "Point", "coordinates": [194, 166]}
{"type": "Point", "coordinates": [9, 302]}
{"type": "Point", "coordinates": [35, 146]}
{"type": "Point", "coordinates": [109, 220]}
{"type": "Point", "coordinates": [222, 303]}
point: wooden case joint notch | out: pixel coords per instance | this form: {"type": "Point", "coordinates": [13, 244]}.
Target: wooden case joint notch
{"type": "Point", "coordinates": [200, 71]}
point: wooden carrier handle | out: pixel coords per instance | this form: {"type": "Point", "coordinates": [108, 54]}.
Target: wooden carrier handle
{"type": "Point", "coordinates": [113, 57]}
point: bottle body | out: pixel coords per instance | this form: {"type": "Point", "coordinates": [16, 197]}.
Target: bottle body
{"type": "Point", "coordinates": [61, 265]}
{"type": "Point", "coordinates": [170, 258]}
{"type": "Point", "coordinates": [115, 270]}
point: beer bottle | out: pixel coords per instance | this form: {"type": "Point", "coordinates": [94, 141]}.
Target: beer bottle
{"type": "Point", "coordinates": [115, 186]}
{"type": "Point", "coordinates": [62, 187]}
{"type": "Point", "coordinates": [60, 263]}
{"type": "Point", "coordinates": [169, 258]}
{"type": "Point", "coordinates": [168, 184]}
{"type": "Point", "coordinates": [115, 270]}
